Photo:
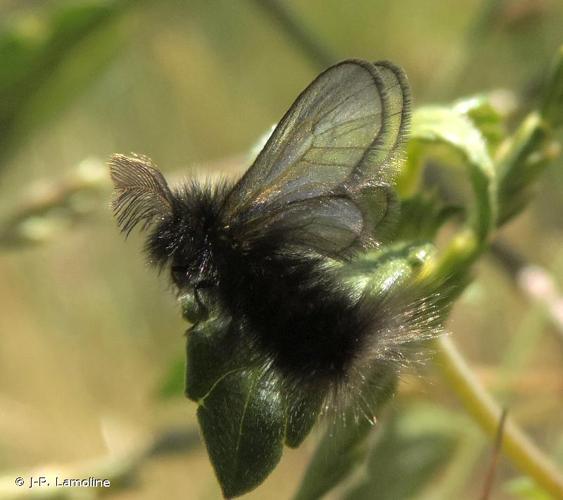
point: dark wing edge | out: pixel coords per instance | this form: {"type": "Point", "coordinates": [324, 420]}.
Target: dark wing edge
{"type": "Point", "coordinates": [406, 102]}
{"type": "Point", "coordinates": [141, 193]}
{"type": "Point", "coordinates": [378, 200]}
{"type": "Point", "coordinates": [396, 116]}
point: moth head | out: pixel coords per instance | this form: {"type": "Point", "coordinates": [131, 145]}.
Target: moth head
{"type": "Point", "coordinates": [176, 239]}
{"type": "Point", "coordinates": [142, 198]}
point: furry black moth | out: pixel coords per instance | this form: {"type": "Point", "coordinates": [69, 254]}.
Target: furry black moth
{"type": "Point", "coordinates": [263, 248]}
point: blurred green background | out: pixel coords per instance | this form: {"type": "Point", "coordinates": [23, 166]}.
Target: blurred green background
{"type": "Point", "coordinates": [91, 342]}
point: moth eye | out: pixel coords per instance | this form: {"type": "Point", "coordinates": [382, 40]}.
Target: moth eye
{"type": "Point", "coordinates": [179, 275]}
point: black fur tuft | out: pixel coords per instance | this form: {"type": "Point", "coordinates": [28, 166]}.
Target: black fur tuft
{"type": "Point", "coordinates": [183, 240]}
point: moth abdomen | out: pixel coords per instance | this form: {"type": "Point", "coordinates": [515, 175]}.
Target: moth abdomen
{"type": "Point", "coordinates": [299, 315]}
{"type": "Point", "coordinates": [318, 333]}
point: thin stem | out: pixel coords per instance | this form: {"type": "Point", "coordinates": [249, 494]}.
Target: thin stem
{"type": "Point", "coordinates": [490, 478]}
{"type": "Point", "coordinates": [481, 405]}
{"type": "Point", "coordinates": [54, 206]}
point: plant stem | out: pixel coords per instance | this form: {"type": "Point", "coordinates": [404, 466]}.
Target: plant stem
{"type": "Point", "coordinates": [54, 206]}
{"type": "Point", "coordinates": [480, 404]}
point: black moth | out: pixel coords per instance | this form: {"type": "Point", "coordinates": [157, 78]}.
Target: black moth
{"type": "Point", "coordinates": [262, 248]}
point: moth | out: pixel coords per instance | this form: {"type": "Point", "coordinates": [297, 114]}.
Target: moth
{"type": "Point", "coordinates": [266, 249]}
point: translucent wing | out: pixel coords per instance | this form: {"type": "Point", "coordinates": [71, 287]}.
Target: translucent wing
{"type": "Point", "coordinates": [331, 155]}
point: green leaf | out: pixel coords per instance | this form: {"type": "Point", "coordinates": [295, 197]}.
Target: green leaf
{"type": "Point", "coordinates": [531, 148]}
{"type": "Point", "coordinates": [422, 215]}
{"type": "Point", "coordinates": [443, 132]}
{"type": "Point", "coordinates": [386, 269]}
{"type": "Point", "coordinates": [302, 411]}
{"type": "Point", "coordinates": [552, 105]}
{"type": "Point", "coordinates": [213, 350]}
{"type": "Point", "coordinates": [480, 110]}
{"type": "Point", "coordinates": [524, 159]}
{"type": "Point", "coordinates": [243, 421]}
{"type": "Point", "coordinates": [244, 414]}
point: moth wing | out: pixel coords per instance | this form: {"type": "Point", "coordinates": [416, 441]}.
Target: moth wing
{"type": "Point", "coordinates": [331, 225]}
{"type": "Point", "coordinates": [335, 147]}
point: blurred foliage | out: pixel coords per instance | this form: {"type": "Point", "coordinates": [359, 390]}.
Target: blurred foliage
{"type": "Point", "coordinates": [87, 334]}
{"type": "Point", "coordinates": [342, 450]}
{"type": "Point", "coordinates": [47, 58]}
{"type": "Point", "coordinates": [407, 454]}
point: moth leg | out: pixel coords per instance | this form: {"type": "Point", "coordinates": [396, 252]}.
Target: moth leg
{"type": "Point", "coordinates": [202, 298]}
